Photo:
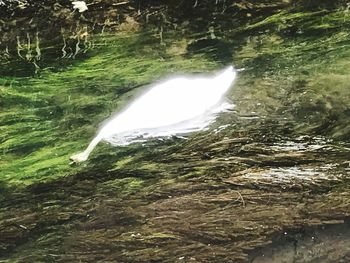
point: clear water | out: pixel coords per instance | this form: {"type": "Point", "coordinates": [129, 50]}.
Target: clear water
{"type": "Point", "coordinates": [253, 183]}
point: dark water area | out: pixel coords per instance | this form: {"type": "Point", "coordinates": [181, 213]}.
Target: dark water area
{"type": "Point", "coordinates": [318, 244]}
{"type": "Point", "coordinates": [267, 182]}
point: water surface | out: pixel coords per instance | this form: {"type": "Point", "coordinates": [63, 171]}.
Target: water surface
{"type": "Point", "coordinates": [276, 167]}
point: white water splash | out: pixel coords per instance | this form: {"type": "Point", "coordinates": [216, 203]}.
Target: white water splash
{"type": "Point", "coordinates": [80, 5]}
{"type": "Point", "coordinates": [175, 107]}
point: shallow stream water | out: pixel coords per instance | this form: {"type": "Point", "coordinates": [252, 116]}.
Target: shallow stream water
{"type": "Point", "coordinates": [267, 182]}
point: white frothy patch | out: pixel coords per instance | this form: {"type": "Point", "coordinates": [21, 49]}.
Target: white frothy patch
{"type": "Point", "coordinates": [80, 6]}
{"type": "Point", "coordinates": [200, 123]}
{"type": "Point", "coordinates": [177, 106]}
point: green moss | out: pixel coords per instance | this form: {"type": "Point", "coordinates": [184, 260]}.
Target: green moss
{"type": "Point", "coordinates": [311, 23]}
{"type": "Point", "coordinates": [284, 19]}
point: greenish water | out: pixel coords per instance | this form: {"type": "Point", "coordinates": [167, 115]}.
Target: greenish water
{"type": "Point", "coordinates": [279, 161]}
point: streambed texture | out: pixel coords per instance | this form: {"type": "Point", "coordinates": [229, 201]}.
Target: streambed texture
{"type": "Point", "coordinates": [268, 182]}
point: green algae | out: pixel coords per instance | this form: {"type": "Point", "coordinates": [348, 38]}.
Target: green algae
{"type": "Point", "coordinates": [298, 70]}
{"type": "Point", "coordinates": [314, 22]}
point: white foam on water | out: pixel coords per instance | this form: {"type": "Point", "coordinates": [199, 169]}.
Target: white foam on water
{"type": "Point", "coordinates": [176, 106]}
